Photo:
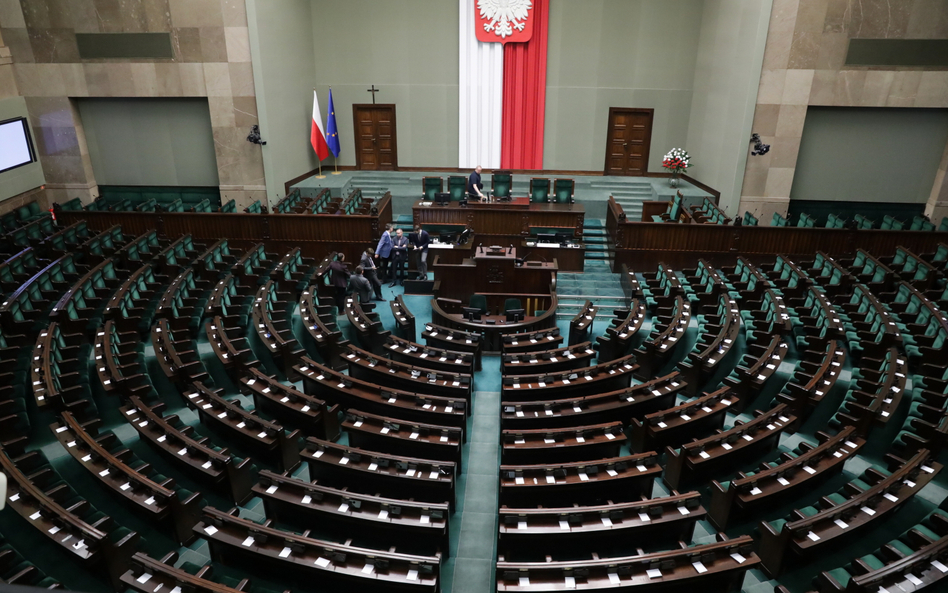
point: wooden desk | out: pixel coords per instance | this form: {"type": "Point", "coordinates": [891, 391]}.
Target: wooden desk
{"type": "Point", "coordinates": [668, 519]}
{"type": "Point", "coordinates": [492, 272]}
{"type": "Point", "coordinates": [506, 219]}
{"type": "Point", "coordinates": [447, 313]}
{"type": "Point", "coordinates": [617, 479]}
{"type": "Point", "coordinates": [722, 563]}
{"type": "Point", "coordinates": [571, 258]}
{"type": "Point", "coordinates": [239, 541]}
{"type": "Point", "coordinates": [311, 504]}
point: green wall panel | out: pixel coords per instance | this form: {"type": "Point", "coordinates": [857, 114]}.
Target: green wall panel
{"type": "Point", "coordinates": [869, 154]}
{"type": "Point", "coordinates": [150, 141]}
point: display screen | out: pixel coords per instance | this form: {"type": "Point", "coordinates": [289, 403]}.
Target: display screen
{"type": "Point", "coordinates": [16, 148]}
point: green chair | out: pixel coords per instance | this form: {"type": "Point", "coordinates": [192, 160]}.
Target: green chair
{"type": "Point", "coordinates": [749, 219]}
{"type": "Point", "coordinates": [778, 220]}
{"type": "Point", "coordinates": [457, 187]}
{"type": "Point", "coordinates": [500, 183]}
{"type": "Point", "coordinates": [563, 190]}
{"type": "Point", "coordinates": [431, 186]}
{"type": "Point", "coordinates": [539, 190]}
{"type": "Point", "coordinates": [511, 304]}
{"type": "Point", "coordinates": [478, 301]}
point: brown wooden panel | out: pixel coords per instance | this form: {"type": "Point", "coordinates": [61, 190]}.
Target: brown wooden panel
{"type": "Point", "coordinates": [628, 137]}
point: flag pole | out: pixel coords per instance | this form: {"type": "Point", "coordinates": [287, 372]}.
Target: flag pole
{"type": "Point", "coordinates": [335, 159]}
{"type": "Point", "coordinates": [319, 162]}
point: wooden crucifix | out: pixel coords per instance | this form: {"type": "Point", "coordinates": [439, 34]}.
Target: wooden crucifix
{"type": "Point", "coordinates": [372, 90]}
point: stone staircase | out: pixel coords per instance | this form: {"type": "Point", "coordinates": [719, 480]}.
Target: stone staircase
{"type": "Point", "coordinates": [597, 242]}
{"type": "Point", "coordinates": [629, 195]}
{"type": "Point", "coordinates": [597, 284]}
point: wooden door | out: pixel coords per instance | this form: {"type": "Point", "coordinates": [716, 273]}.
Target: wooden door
{"type": "Point", "coordinates": [628, 140]}
{"type": "Point", "coordinates": [376, 149]}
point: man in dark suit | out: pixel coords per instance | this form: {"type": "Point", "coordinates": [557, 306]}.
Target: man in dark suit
{"type": "Point", "coordinates": [384, 251]}
{"type": "Point", "coordinates": [339, 276]}
{"type": "Point", "coordinates": [399, 257]}
{"type": "Point", "coordinates": [421, 243]}
{"type": "Point", "coordinates": [371, 273]}
{"type": "Point", "coordinates": [360, 285]}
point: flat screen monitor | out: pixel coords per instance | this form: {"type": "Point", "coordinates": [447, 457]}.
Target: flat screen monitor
{"type": "Point", "coordinates": [546, 238]}
{"type": "Point", "coordinates": [448, 237]}
{"type": "Point", "coordinates": [515, 315]}
{"type": "Point", "coordinates": [16, 146]}
{"type": "Point", "coordinates": [563, 238]}
{"type": "Point", "coordinates": [472, 313]}
{"type": "Point", "coordinates": [442, 198]}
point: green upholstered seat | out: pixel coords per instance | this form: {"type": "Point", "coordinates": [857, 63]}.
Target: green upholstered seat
{"type": "Point", "coordinates": [500, 184]}
{"type": "Point", "coordinates": [563, 190]}
{"type": "Point", "coordinates": [457, 187]}
{"type": "Point", "coordinates": [479, 301]}
{"type": "Point", "coordinates": [539, 189]}
{"type": "Point", "coordinates": [510, 304]}
{"type": "Point", "coordinates": [431, 186]}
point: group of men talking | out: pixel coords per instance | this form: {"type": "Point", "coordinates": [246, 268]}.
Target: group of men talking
{"type": "Point", "coordinates": [392, 255]}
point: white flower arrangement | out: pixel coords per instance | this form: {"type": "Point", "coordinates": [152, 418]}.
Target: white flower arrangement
{"type": "Point", "coordinates": [677, 160]}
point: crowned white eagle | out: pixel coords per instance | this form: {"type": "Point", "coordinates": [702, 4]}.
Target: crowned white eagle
{"type": "Point", "coordinates": [504, 15]}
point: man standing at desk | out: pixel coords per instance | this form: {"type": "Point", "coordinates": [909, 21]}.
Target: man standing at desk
{"type": "Point", "coordinates": [399, 257]}
{"type": "Point", "coordinates": [384, 251]}
{"type": "Point", "coordinates": [421, 243]}
{"type": "Point", "coordinates": [474, 185]}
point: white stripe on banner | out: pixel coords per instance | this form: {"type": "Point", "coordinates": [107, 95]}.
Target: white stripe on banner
{"type": "Point", "coordinates": [480, 95]}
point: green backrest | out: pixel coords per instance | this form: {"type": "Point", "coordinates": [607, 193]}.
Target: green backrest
{"type": "Point", "coordinates": [778, 220]}
{"type": "Point", "coordinates": [479, 301]}
{"type": "Point", "coordinates": [230, 206]}
{"type": "Point", "coordinates": [889, 223]}
{"type": "Point", "coordinates": [539, 189]}
{"type": "Point", "coordinates": [431, 186]}
{"type": "Point", "coordinates": [457, 187]}
{"type": "Point", "coordinates": [862, 222]}
{"type": "Point", "coordinates": [920, 223]}
{"type": "Point", "coordinates": [510, 304]}
{"type": "Point", "coordinates": [500, 183]}
{"type": "Point", "coordinates": [805, 221]}
{"type": "Point", "coordinates": [563, 190]}
{"type": "Point", "coordinates": [9, 221]}
{"type": "Point", "coordinates": [750, 219]}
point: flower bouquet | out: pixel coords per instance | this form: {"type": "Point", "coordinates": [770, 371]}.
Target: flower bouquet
{"type": "Point", "coordinates": [676, 161]}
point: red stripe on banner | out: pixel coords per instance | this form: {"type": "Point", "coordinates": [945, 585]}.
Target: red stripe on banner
{"type": "Point", "coordinates": [521, 139]}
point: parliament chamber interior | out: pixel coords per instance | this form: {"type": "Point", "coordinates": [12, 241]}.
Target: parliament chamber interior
{"type": "Point", "coordinates": [630, 373]}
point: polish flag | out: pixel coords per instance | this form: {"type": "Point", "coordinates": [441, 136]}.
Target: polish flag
{"type": "Point", "coordinates": [317, 136]}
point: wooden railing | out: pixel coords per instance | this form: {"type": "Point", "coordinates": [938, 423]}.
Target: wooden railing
{"type": "Point", "coordinates": [642, 245]}
{"type": "Point", "coordinates": [313, 234]}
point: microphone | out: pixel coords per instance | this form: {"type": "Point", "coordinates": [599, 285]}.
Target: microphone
{"type": "Point", "coordinates": [481, 247]}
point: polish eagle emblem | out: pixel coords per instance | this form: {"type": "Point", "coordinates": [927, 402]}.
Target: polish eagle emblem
{"type": "Point", "coordinates": [504, 20]}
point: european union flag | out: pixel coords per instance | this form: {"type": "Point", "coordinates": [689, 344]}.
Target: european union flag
{"type": "Point", "coordinates": [332, 134]}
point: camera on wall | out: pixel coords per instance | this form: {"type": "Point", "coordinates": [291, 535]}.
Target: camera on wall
{"type": "Point", "coordinates": [760, 148]}
{"type": "Point", "coordinates": [254, 136]}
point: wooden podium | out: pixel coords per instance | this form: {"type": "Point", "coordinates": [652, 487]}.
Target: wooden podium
{"type": "Point", "coordinates": [492, 270]}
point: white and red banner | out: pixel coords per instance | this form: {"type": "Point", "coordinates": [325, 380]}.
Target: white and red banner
{"type": "Point", "coordinates": [317, 133]}
{"type": "Point", "coordinates": [502, 102]}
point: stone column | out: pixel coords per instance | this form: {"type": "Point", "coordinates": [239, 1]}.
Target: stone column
{"type": "Point", "coordinates": [937, 207]}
